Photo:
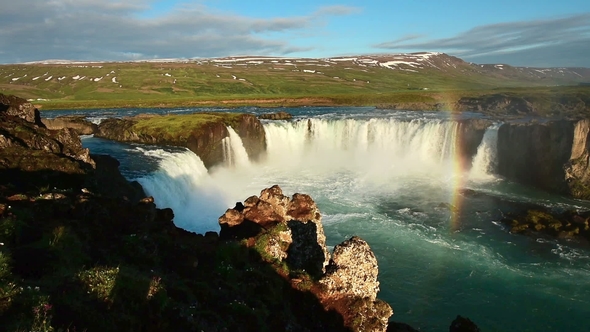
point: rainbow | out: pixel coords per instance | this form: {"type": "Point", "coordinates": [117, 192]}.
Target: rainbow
{"type": "Point", "coordinates": [460, 167]}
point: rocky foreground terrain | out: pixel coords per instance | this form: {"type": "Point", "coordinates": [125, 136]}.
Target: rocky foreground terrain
{"type": "Point", "coordinates": [83, 249]}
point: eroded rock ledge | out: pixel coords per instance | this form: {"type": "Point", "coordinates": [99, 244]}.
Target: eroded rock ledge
{"type": "Point", "coordinates": [289, 234]}
{"type": "Point", "coordinates": [200, 132]}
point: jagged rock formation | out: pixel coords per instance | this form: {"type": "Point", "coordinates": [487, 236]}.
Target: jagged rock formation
{"type": "Point", "coordinates": [577, 169]}
{"type": "Point", "coordinates": [204, 139]}
{"type": "Point", "coordinates": [21, 132]}
{"type": "Point", "coordinates": [289, 231]}
{"type": "Point", "coordinates": [78, 123]}
{"type": "Point", "coordinates": [19, 107]}
{"type": "Point", "coordinates": [294, 225]}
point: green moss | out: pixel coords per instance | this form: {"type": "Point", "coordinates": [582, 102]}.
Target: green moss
{"type": "Point", "coordinates": [263, 241]}
{"type": "Point", "coordinates": [180, 127]}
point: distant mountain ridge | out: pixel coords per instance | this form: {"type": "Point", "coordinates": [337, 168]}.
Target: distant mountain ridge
{"type": "Point", "coordinates": [410, 62]}
{"type": "Point", "coordinates": [351, 80]}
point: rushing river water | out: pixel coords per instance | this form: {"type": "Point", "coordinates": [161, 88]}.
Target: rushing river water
{"type": "Point", "coordinates": [393, 179]}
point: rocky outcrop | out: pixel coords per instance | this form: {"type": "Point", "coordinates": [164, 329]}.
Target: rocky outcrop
{"type": "Point", "coordinates": [282, 115]}
{"type": "Point", "coordinates": [351, 286]}
{"type": "Point", "coordinates": [19, 107]}
{"type": "Point", "coordinates": [538, 221]}
{"type": "Point", "coordinates": [122, 130]}
{"type": "Point", "coordinates": [204, 140]}
{"type": "Point", "coordinates": [78, 123]}
{"type": "Point", "coordinates": [291, 228]}
{"type": "Point", "coordinates": [19, 130]}
{"type": "Point", "coordinates": [288, 231]}
{"type": "Point", "coordinates": [352, 271]}
{"type": "Point", "coordinates": [577, 169]}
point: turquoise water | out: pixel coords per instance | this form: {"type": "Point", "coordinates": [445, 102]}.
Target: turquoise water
{"type": "Point", "coordinates": [391, 179]}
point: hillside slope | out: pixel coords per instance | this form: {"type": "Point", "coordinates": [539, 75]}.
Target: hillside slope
{"type": "Point", "coordinates": [360, 80]}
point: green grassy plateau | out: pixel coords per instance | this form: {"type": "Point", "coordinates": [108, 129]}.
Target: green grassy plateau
{"type": "Point", "coordinates": [277, 82]}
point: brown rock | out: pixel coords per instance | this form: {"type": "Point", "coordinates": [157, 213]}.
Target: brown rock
{"type": "Point", "coordinates": [231, 218]}
{"type": "Point", "coordinates": [352, 271]}
{"type": "Point", "coordinates": [77, 123]}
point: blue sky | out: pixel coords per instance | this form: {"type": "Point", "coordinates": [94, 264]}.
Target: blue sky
{"type": "Point", "coordinates": [522, 32]}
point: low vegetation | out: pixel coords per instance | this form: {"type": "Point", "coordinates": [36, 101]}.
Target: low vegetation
{"type": "Point", "coordinates": [271, 83]}
{"type": "Point", "coordinates": [172, 126]}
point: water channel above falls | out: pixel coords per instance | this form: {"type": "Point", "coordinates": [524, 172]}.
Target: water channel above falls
{"type": "Point", "coordinates": [392, 178]}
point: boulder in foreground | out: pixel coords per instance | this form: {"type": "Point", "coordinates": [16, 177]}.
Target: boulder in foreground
{"type": "Point", "coordinates": [288, 233]}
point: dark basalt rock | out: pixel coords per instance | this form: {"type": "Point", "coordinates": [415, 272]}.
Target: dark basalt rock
{"type": "Point", "coordinates": [462, 324]}
{"type": "Point", "coordinates": [400, 327]}
{"type": "Point", "coordinates": [540, 221]}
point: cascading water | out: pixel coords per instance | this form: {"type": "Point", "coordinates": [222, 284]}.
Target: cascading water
{"type": "Point", "coordinates": [485, 161]}
{"type": "Point", "coordinates": [368, 146]}
{"type": "Point", "coordinates": [392, 180]}
{"type": "Point", "coordinates": [234, 150]}
{"type": "Point", "coordinates": [181, 183]}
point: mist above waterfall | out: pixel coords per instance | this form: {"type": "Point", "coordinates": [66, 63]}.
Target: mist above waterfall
{"type": "Point", "coordinates": [363, 155]}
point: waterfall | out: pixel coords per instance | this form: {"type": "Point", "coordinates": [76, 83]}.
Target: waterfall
{"type": "Point", "coordinates": [485, 161]}
{"type": "Point", "coordinates": [183, 184]}
{"type": "Point", "coordinates": [376, 153]}
{"type": "Point", "coordinates": [364, 144]}
{"type": "Point", "coordinates": [234, 153]}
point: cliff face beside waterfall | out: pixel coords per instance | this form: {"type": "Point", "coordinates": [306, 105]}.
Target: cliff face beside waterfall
{"type": "Point", "coordinates": [202, 133]}
{"type": "Point", "coordinates": [552, 156]}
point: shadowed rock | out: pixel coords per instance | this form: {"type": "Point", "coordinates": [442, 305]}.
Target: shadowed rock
{"type": "Point", "coordinates": [463, 324]}
{"type": "Point", "coordinates": [289, 230]}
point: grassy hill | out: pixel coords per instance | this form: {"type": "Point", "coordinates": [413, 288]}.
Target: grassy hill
{"type": "Point", "coordinates": [366, 80]}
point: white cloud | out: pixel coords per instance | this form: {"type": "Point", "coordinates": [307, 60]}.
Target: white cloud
{"type": "Point", "coordinates": [532, 43]}
{"type": "Point", "coordinates": [116, 30]}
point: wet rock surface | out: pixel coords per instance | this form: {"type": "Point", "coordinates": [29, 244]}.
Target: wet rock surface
{"type": "Point", "coordinates": [539, 221]}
